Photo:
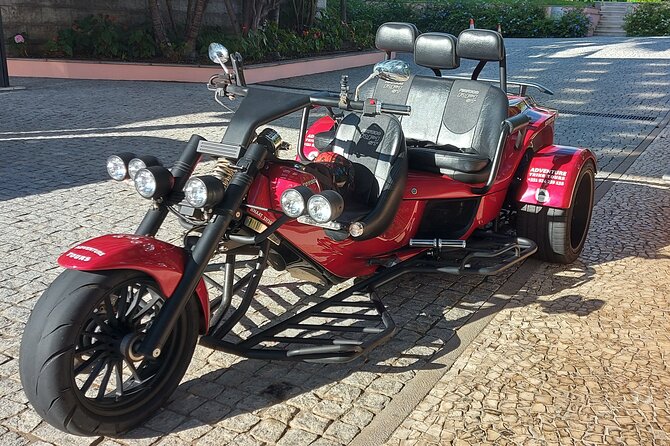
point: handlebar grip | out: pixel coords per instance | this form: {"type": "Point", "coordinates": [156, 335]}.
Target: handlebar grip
{"type": "Point", "coordinates": [396, 109]}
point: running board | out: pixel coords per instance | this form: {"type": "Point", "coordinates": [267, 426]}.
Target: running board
{"type": "Point", "coordinates": [486, 257]}
{"type": "Point", "coordinates": [339, 329]}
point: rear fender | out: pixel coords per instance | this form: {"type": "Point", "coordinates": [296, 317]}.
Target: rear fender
{"type": "Point", "coordinates": [551, 176]}
{"type": "Point", "coordinates": [160, 260]}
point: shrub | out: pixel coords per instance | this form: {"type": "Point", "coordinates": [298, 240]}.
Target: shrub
{"type": "Point", "coordinates": [573, 23]}
{"type": "Point", "coordinates": [101, 37]}
{"type": "Point", "coordinates": [524, 18]}
{"type": "Point", "coordinates": [649, 19]}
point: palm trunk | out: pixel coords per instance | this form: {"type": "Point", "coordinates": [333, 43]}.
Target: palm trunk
{"type": "Point", "coordinates": [193, 28]}
{"type": "Point", "coordinates": [233, 17]}
{"type": "Point", "coordinates": [157, 24]}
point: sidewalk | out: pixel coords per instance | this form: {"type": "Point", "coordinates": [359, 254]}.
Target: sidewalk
{"type": "Point", "coordinates": [579, 356]}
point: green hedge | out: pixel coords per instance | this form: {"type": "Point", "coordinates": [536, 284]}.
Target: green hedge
{"type": "Point", "coordinates": [518, 19]}
{"type": "Point", "coordinates": [100, 37]}
{"type": "Point", "coordinates": [649, 19]}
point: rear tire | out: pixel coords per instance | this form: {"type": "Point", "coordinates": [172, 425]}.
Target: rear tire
{"type": "Point", "coordinates": [72, 363]}
{"type": "Point", "coordinates": [560, 234]}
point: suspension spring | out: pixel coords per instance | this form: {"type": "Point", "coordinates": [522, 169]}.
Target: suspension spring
{"type": "Point", "coordinates": [224, 170]}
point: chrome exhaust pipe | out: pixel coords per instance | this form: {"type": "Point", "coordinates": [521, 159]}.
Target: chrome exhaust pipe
{"type": "Point", "coordinates": [436, 243]}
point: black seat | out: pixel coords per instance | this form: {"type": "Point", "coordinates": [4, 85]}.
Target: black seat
{"type": "Point", "coordinates": [376, 148]}
{"type": "Point", "coordinates": [455, 125]}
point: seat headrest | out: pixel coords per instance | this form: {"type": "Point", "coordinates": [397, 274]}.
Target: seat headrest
{"type": "Point", "coordinates": [481, 44]}
{"type": "Point", "coordinates": [396, 36]}
{"type": "Point", "coordinates": [437, 51]}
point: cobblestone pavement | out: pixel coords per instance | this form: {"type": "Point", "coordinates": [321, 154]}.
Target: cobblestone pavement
{"type": "Point", "coordinates": [579, 356]}
{"type": "Point", "coordinates": [55, 135]}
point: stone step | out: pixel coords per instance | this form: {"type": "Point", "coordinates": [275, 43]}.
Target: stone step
{"type": "Point", "coordinates": [609, 34]}
{"type": "Point", "coordinates": [610, 22]}
{"type": "Point", "coordinates": [611, 27]}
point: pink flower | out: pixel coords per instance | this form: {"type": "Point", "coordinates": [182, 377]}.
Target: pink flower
{"type": "Point", "coordinates": [19, 39]}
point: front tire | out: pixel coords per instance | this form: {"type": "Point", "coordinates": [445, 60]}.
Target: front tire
{"type": "Point", "coordinates": [77, 363]}
{"type": "Point", "coordinates": [560, 234]}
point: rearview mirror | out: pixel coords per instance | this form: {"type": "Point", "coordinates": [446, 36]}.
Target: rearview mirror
{"type": "Point", "coordinates": [218, 53]}
{"type": "Point", "coordinates": [392, 70]}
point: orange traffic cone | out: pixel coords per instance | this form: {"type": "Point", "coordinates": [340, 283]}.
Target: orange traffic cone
{"type": "Point", "coordinates": [472, 23]}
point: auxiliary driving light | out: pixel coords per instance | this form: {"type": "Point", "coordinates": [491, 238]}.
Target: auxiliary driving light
{"type": "Point", "coordinates": [117, 165]}
{"type": "Point", "coordinates": [140, 162]}
{"type": "Point", "coordinates": [294, 201]}
{"type": "Point", "coordinates": [326, 206]}
{"type": "Point", "coordinates": [356, 229]}
{"type": "Point", "coordinates": [204, 191]}
{"type": "Point", "coordinates": [153, 182]}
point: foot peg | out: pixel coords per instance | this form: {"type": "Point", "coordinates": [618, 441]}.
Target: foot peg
{"type": "Point", "coordinates": [436, 243]}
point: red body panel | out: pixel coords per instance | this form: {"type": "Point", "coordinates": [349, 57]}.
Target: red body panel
{"type": "Point", "coordinates": [350, 258]}
{"type": "Point", "coordinates": [323, 124]}
{"type": "Point", "coordinates": [161, 260]}
{"type": "Point", "coordinates": [551, 176]}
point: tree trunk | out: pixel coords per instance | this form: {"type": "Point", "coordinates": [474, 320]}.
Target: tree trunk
{"type": "Point", "coordinates": [257, 11]}
{"type": "Point", "coordinates": [158, 26]}
{"type": "Point", "coordinates": [343, 11]}
{"type": "Point", "coordinates": [232, 17]}
{"type": "Point", "coordinates": [173, 25]}
{"type": "Point", "coordinates": [193, 27]}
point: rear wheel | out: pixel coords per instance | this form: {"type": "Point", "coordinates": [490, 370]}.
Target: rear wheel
{"type": "Point", "coordinates": [560, 234]}
{"type": "Point", "coordinates": [78, 364]}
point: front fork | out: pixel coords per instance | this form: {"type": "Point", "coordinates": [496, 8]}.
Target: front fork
{"type": "Point", "coordinates": [197, 260]}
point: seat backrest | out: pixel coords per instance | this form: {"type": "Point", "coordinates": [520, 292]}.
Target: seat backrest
{"type": "Point", "coordinates": [373, 145]}
{"type": "Point", "coordinates": [464, 114]}
{"type": "Point", "coordinates": [396, 37]}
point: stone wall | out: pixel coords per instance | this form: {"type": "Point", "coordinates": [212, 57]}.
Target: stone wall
{"type": "Point", "coordinates": [41, 19]}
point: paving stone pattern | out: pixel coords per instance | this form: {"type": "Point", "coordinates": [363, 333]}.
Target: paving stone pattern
{"type": "Point", "coordinates": [54, 138]}
{"type": "Point", "coordinates": [579, 355]}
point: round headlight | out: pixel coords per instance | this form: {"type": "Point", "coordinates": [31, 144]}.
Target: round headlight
{"type": "Point", "coordinates": [141, 162]}
{"type": "Point", "coordinates": [326, 206]}
{"type": "Point", "coordinates": [205, 191]}
{"type": "Point", "coordinates": [356, 229]}
{"type": "Point", "coordinates": [153, 182]}
{"type": "Point", "coordinates": [294, 201]}
{"type": "Point", "coordinates": [117, 165]}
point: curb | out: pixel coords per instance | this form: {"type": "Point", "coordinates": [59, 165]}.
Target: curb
{"type": "Point", "coordinates": [96, 70]}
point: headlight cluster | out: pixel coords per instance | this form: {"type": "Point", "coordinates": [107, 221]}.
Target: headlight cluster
{"type": "Point", "coordinates": [322, 208]}
{"type": "Point", "coordinates": [154, 181]}
{"type": "Point", "coordinates": [150, 178]}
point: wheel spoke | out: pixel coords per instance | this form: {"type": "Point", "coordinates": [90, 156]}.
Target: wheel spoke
{"type": "Point", "coordinates": [98, 335]}
{"type": "Point", "coordinates": [101, 323]}
{"type": "Point", "coordinates": [109, 309]}
{"type": "Point", "coordinates": [87, 363]}
{"type": "Point", "coordinates": [90, 348]}
{"type": "Point", "coordinates": [94, 374]}
{"type": "Point", "coordinates": [105, 381]}
{"type": "Point", "coordinates": [119, 378]}
{"type": "Point", "coordinates": [145, 309]}
{"type": "Point", "coordinates": [122, 306]}
{"type": "Point", "coordinates": [133, 370]}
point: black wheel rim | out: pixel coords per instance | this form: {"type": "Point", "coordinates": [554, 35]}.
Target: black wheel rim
{"type": "Point", "coordinates": [581, 212]}
{"type": "Point", "coordinates": [109, 380]}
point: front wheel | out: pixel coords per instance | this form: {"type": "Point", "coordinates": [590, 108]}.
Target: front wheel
{"type": "Point", "coordinates": [77, 361]}
{"type": "Point", "coordinates": [560, 234]}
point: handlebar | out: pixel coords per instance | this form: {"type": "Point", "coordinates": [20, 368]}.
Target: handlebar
{"type": "Point", "coordinates": [369, 104]}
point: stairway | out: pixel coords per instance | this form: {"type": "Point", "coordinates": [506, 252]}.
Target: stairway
{"type": "Point", "coordinates": [611, 19]}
